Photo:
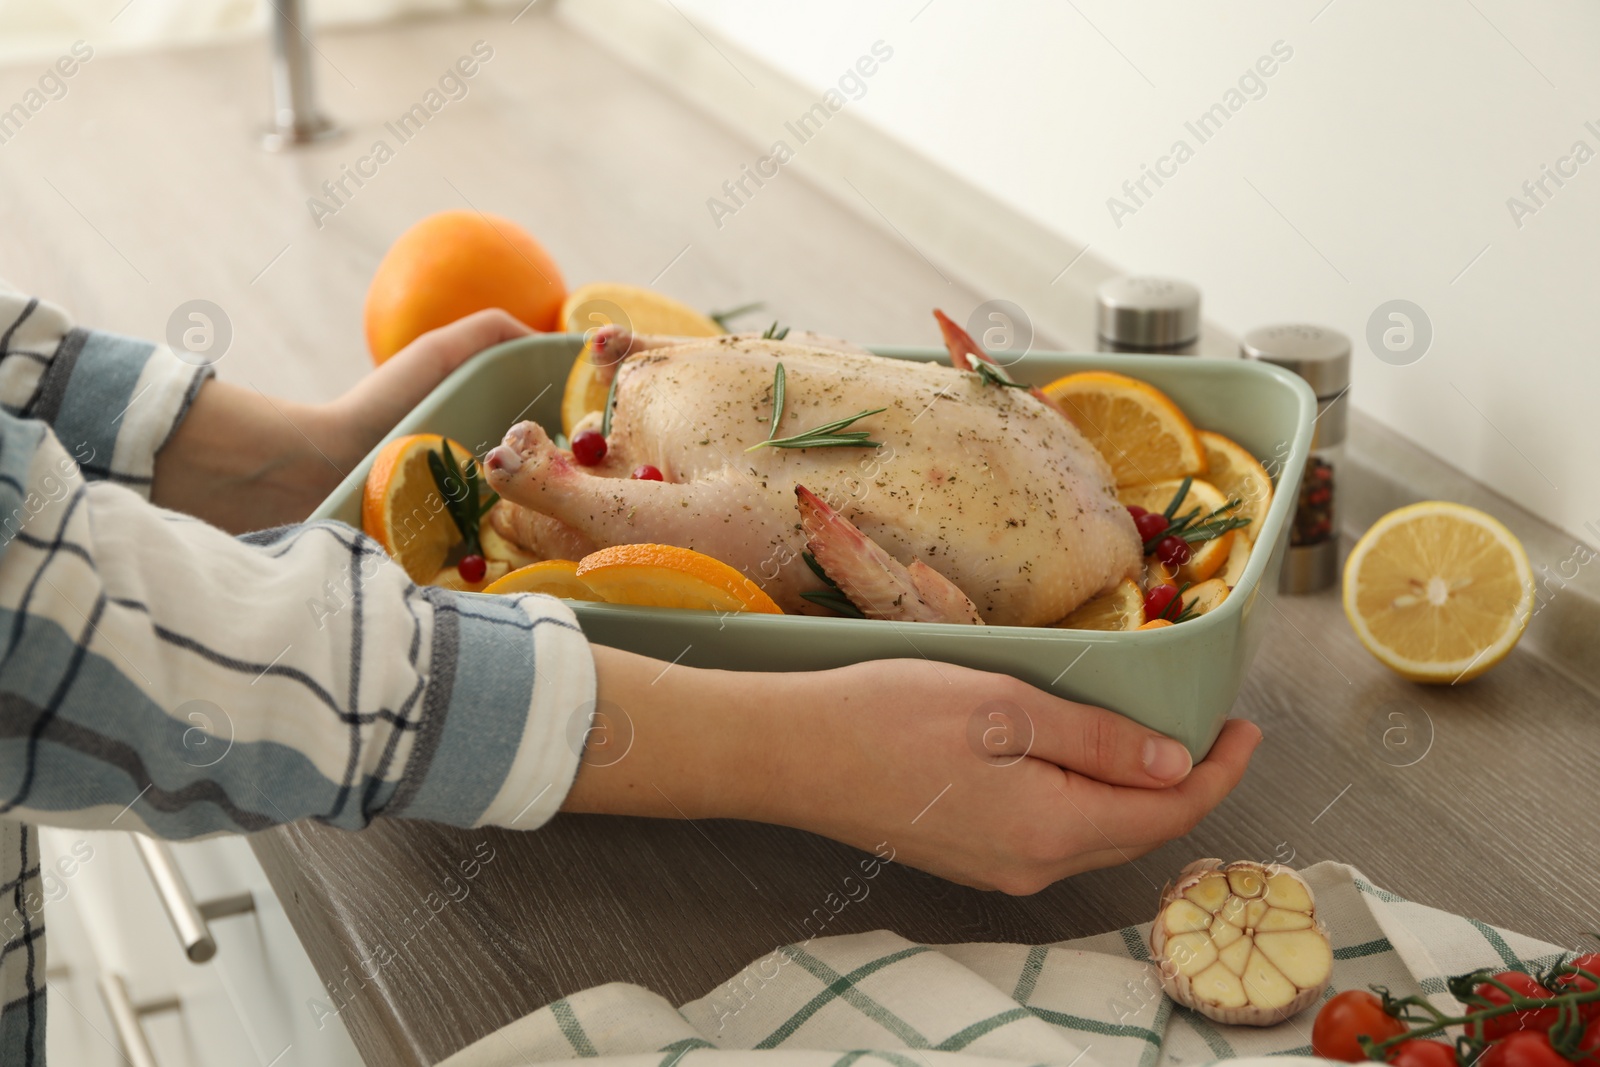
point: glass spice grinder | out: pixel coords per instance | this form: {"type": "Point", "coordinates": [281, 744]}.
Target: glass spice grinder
{"type": "Point", "coordinates": [1322, 357]}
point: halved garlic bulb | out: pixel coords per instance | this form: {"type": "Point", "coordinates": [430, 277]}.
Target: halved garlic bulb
{"type": "Point", "coordinates": [1240, 942]}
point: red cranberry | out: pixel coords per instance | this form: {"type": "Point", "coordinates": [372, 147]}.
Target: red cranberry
{"type": "Point", "coordinates": [589, 447]}
{"type": "Point", "coordinates": [1173, 551]}
{"type": "Point", "coordinates": [647, 472]}
{"type": "Point", "coordinates": [1135, 510]}
{"type": "Point", "coordinates": [472, 568]}
{"type": "Point", "coordinates": [1157, 599]}
{"type": "Point", "coordinates": [1150, 524]}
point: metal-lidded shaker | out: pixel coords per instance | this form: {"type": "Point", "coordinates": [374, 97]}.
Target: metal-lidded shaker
{"type": "Point", "coordinates": [1322, 357]}
{"type": "Point", "coordinates": [1141, 313]}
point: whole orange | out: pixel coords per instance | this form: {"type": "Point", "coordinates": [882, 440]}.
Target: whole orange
{"type": "Point", "coordinates": [452, 264]}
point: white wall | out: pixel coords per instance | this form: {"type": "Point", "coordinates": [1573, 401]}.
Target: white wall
{"type": "Point", "coordinates": [1391, 140]}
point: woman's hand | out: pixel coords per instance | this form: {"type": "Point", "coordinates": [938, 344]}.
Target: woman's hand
{"type": "Point", "coordinates": [244, 461]}
{"type": "Point", "coordinates": [976, 777]}
{"type": "Point", "coordinates": [987, 781]}
{"type": "Point", "coordinates": [359, 419]}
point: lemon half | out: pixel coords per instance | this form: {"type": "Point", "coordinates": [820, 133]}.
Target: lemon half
{"type": "Point", "coordinates": [1438, 592]}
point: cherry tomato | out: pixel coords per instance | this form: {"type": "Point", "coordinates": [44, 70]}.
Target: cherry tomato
{"type": "Point", "coordinates": [1173, 551]}
{"type": "Point", "coordinates": [1150, 524]}
{"type": "Point", "coordinates": [1352, 1014]}
{"type": "Point", "coordinates": [472, 568]}
{"type": "Point", "coordinates": [589, 447]}
{"type": "Point", "coordinates": [1420, 1053]}
{"type": "Point", "coordinates": [1157, 599]}
{"type": "Point", "coordinates": [647, 472]}
{"type": "Point", "coordinates": [1523, 1048]}
{"type": "Point", "coordinates": [1576, 983]}
{"type": "Point", "coordinates": [1511, 1022]}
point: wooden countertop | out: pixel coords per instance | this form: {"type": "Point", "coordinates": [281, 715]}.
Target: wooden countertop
{"type": "Point", "coordinates": [143, 188]}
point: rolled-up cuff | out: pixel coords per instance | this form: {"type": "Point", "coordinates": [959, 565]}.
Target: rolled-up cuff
{"type": "Point", "coordinates": [510, 701]}
{"type": "Point", "coordinates": [114, 401]}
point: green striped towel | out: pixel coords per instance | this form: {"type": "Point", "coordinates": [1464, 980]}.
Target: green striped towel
{"type": "Point", "coordinates": [879, 998]}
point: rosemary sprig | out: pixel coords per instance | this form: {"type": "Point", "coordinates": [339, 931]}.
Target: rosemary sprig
{"type": "Point", "coordinates": [462, 494]}
{"type": "Point", "coordinates": [828, 435]}
{"type": "Point", "coordinates": [1191, 526]}
{"type": "Point", "coordinates": [1177, 498]}
{"type": "Point", "coordinates": [1184, 610]}
{"type": "Point", "coordinates": [721, 318]}
{"type": "Point", "coordinates": [773, 333]}
{"type": "Point", "coordinates": [611, 403]}
{"type": "Point", "coordinates": [834, 602]}
{"type": "Point", "coordinates": [1210, 532]}
{"type": "Point", "coordinates": [779, 383]}
{"type": "Point", "coordinates": [991, 374]}
{"type": "Point", "coordinates": [832, 597]}
{"type": "Point", "coordinates": [832, 434]}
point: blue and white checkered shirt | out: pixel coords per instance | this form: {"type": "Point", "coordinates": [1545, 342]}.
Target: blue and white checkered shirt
{"type": "Point", "coordinates": [159, 675]}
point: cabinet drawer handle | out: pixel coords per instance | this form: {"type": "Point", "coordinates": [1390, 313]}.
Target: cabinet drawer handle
{"type": "Point", "coordinates": [126, 1018]}
{"type": "Point", "coordinates": [188, 918]}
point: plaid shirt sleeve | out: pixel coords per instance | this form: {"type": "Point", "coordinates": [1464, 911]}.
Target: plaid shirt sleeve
{"type": "Point", "coordinates": [159, 675]}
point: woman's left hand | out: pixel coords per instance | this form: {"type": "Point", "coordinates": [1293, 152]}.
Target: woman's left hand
{"type": "Point", "coordinates": [359, 419]}
{"type": "Point", "coordinates": [244, 461]}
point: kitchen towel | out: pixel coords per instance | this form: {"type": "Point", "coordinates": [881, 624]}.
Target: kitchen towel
{"type": "Point", "coordinates": [1090, 1002]}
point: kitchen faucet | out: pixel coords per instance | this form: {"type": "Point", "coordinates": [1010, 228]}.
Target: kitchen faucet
{"type": "Point", "coordinates": [296, 119]}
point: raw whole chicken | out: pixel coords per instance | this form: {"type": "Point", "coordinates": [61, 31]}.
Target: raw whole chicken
{"type": "Point", "coordinates": [976, 501]}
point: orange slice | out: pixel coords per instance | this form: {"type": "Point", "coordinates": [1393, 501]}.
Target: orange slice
{"type": "Point", "coordinates": [1207, 557]}
{"type": "Point", "coordinates": [556, 577]}
{"type": "Point", "coordinates": [641, 310]}
{"type": "Point", "coordinates": [583, 393]}
{"type": "Point", "coordinates": [1238, 559]}
{"type": "Point", "coordinates": [666, 576]}
{"type": "Point", "coordinates": [1205, 597]}
{"type": "Point", "coordinates": [1439, 592]}
{"type": "Point", "coordinates": [1120, 609]}
{"type": "Point", "coordinates": [402, 509]}
{"type": "Point", "coordinates": [1134, 425]}
{"type": "Point", "coordinates": [1231, 468]}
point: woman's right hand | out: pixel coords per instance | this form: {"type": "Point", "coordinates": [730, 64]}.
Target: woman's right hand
{"type": "Point", "coordinates": [976, 777]}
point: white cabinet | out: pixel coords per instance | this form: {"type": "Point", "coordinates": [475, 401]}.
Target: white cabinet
{"type": "Point", "coordinates": [247, 1006]}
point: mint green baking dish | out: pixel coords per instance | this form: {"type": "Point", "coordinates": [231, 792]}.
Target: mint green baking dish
{"type": "Point", "coordinates": [1181, 680]}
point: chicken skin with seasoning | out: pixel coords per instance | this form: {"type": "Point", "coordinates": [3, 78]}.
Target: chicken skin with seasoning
{"type": "Point", "coordinates": [962, 500]}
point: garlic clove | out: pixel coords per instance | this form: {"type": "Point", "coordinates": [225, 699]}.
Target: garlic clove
{"type": "Point", "coordinates": [1304, 956]}
{"type": "Point", "coordinates": [1238, 954]}
{"type": "Point", "coordinates": [1209, 892]}
{"type": "Point", "coordinates": [1185, 916]}
{"type": "Point", "coordinates": [1232, 911]}
{"type": "Point", "coordinates": [1224, 933]}
{"type": "Point", "coordinates": [1283, 919]}
{"type": "Point", "coordinates": [1247, 883]}
{"type": "Point", "coordinates": [1264, 984]}
{"type": "Point", "coordinates": [1192, 953]}
{"type": "Point", "coordinates": [1285, 890]}
{"type": "Point", "coordinates": [1221, 986]}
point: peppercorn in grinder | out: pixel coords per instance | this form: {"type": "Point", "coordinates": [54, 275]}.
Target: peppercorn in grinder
{"type": "Point", "coordinates": [1322, 357]}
